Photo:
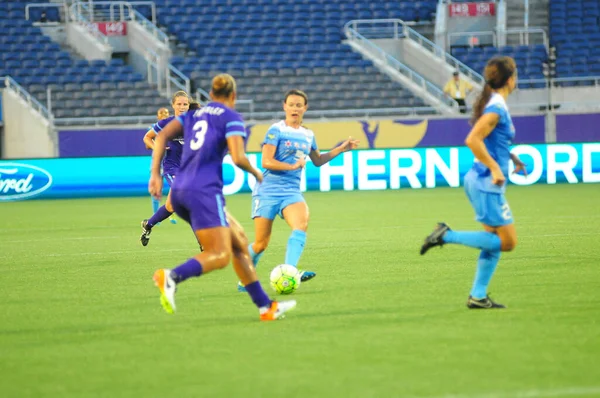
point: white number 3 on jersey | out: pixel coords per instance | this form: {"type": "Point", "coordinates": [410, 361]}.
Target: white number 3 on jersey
{"type": "Point", "coordinates": [200, 129]}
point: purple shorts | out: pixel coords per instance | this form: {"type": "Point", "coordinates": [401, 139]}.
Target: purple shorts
{"type": "Point", "coordinates": [201, 210]}
{"type": "Point", "coordinates": [170, 177]}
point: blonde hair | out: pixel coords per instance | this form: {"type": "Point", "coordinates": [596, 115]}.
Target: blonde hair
{"type": "Point", "coordinates": [179, 94]}
{"type": "Point", "coordinates": [223, 85]}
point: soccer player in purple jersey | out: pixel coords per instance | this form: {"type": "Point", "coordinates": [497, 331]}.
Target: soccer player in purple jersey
{"type": "Point", "coordinates": [170, 165]}
{"type": "Point", "coordinates": [197, 196]}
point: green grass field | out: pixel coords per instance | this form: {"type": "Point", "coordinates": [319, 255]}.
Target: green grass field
{"type": "Point", "coordinates": [81, 318]}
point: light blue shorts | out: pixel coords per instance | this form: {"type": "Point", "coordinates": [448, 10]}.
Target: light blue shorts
{"type": "Point", "coordinates": [490, 208]}
{"type": "Point", "coordinates": [271, 206]}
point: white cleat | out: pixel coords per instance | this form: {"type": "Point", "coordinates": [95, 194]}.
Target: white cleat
{"type": "Point", "coordinates": [167, 286]}
{"type": "Point", "coordinates": [277, 310]}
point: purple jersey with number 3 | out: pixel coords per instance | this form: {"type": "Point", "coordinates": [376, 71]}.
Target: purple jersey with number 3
{"type": "Point", "coordinates": [197, 194]}
{"type": "Point", "coordinates": [205, 135]}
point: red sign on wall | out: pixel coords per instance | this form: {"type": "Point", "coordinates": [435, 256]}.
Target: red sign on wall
{"type": "Point", "coordinates": [112, 28]}
{"type": "Point", "coordinates": [472, 9]}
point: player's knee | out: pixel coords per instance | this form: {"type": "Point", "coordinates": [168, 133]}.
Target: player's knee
{"type": "Point", "coordinates": [169, 206]}
{"type": "Point", "coordinates": [261, 245]}
{"type": "Point", "coordinates": [300, 224]}
{"type": "Point", "coordinates": [222, 258]}
{"type": "Point", "coordinates": [509, 243]}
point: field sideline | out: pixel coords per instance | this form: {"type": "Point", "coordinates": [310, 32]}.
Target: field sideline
{"type": "Point", "coordinates": [81, 317]}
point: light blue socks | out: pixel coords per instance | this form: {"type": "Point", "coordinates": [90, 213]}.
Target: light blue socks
{"type": "Point", "coordinates": [255, 257]}
{"type": "Point", "coordinates": [155, 205]}
{"type": "Point", "coordinates": [479, 240]}
{"type": "Point", "coordinates": [295, 247]}
{"type": "Point", "coordinates": [486, 265]}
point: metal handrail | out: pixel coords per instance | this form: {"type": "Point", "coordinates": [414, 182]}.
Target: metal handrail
{"type": "Point", "coordinates": [121, 120]}
{"type": "Point", "coordinates": [105, 120]}
{"type": "Point", "coordinates": [556, 80]}
{"type": "Point", "coordinates": [524, 35]}
{"type": "Point", "coordinates": [351, 113]}
{"type": "Point", "coordinates": [403, 69]}
{"type": "Point", "coordinates": [11, 84]}
{"type": "Point", "coordinates": [472, 34]}
{"type": "Point", "coordinates": [153, 61]}
{"type": "Point", "coordinates": [146, 3]}
{"type": "Point", "coordinates": [45, 5]}
{"type": "Point", "coordinates": [83, 21]}
{"type": "Point", "coordinates": [407, 32]}
{"type": "Point", "coordinates": [150, 27]}
{"type": "Point", "coordinates": [186, 86]}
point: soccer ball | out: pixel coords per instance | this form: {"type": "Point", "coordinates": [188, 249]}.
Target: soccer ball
{"type": "Point", "coordinates": [285, 279]}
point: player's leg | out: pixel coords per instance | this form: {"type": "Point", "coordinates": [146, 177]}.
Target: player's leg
{"type": "Point", "coordinates": [170, 179]}
{"type": "Point", "coordinates": [155, 204]}
{"type": "Point", "coordinates": [482, 240]}
{"type": "Point", "coordinates": [242, 264]}
{"type": "Point", "coordinates": [491, 210]}
{"type": "Point", "coordinates": [206, 215]}
{"type": "Point", "coordinates": [161, 214]}
{"type": "Point", "coordinates": [216, 255]}
{"type": "Point", "coordinates": [499, 234]}
{"type": "Point", "coordinates": [264, 211]}
{"type": "Point", "coordinates": [295, 213]}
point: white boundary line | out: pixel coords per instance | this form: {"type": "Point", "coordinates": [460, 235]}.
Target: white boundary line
{"type": "Point", "coordinates": [566, 392]}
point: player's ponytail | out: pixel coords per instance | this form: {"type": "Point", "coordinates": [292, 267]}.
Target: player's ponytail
{"type": "Point", "coordinates": [223, 86]}
{"type": "Point", "coordinates": [497, 72]}
{"type": "Point", "coordinates": [480, 102]}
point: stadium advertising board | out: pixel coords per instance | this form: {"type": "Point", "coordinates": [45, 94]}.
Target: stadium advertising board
{"type": "Point", "coordinates": [373, 169]}
{"type": "Point", "coordinates": [117, 28]}
{"type": "Point", "coordinates": [474, 9]}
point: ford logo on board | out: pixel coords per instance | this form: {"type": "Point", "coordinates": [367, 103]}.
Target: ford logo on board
{"type": "Point", "coordinates": [21, 181]}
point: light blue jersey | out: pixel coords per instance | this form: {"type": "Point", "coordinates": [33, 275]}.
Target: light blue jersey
{"type": "Point", "coordinates": [281, 189]}
{"type": "Point", "coordinates": [292, 144]}
{"type": "Point", "coordinates": [487, 199]}
{"type": "Point", "coordinates": [497, 143]}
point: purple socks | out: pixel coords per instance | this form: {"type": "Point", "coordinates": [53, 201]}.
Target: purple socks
{"type": "Point", "coordinates": [161, 214]}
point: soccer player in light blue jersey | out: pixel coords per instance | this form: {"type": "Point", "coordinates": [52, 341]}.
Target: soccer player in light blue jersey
{"type": "Point", "coordinates": [485, 184]}
{"type": "Point", "coordinates": [161, 114]}
{"type": "Point", "coordinates": [285, 147]}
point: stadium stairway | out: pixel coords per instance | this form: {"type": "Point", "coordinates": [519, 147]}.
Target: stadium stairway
{"type": "Point", "coordinates": [272, 47]}
{"type": "Point", "coordinates": [78, 88]}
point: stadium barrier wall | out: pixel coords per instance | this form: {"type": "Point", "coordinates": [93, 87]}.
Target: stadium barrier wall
{"type": "Point", "coordinates": [372, 134]}
{"type": "Point", "coordinates": [27, 134]}
{"type": "Point", "coordinates": [371, 169]}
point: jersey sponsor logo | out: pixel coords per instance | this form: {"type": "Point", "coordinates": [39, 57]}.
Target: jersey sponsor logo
{"type": "Point", "coordinates": [20, 181]}
{"type": "Point", "coordinates": [211, 110]}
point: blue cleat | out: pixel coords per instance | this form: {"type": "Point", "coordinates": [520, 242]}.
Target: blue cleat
{"type": "Point", "coordinates": [306, 275]}
{"type": "Point", "coordinates": [172, 220]}
{"type": "Point", "coordinates": [241, 288]}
